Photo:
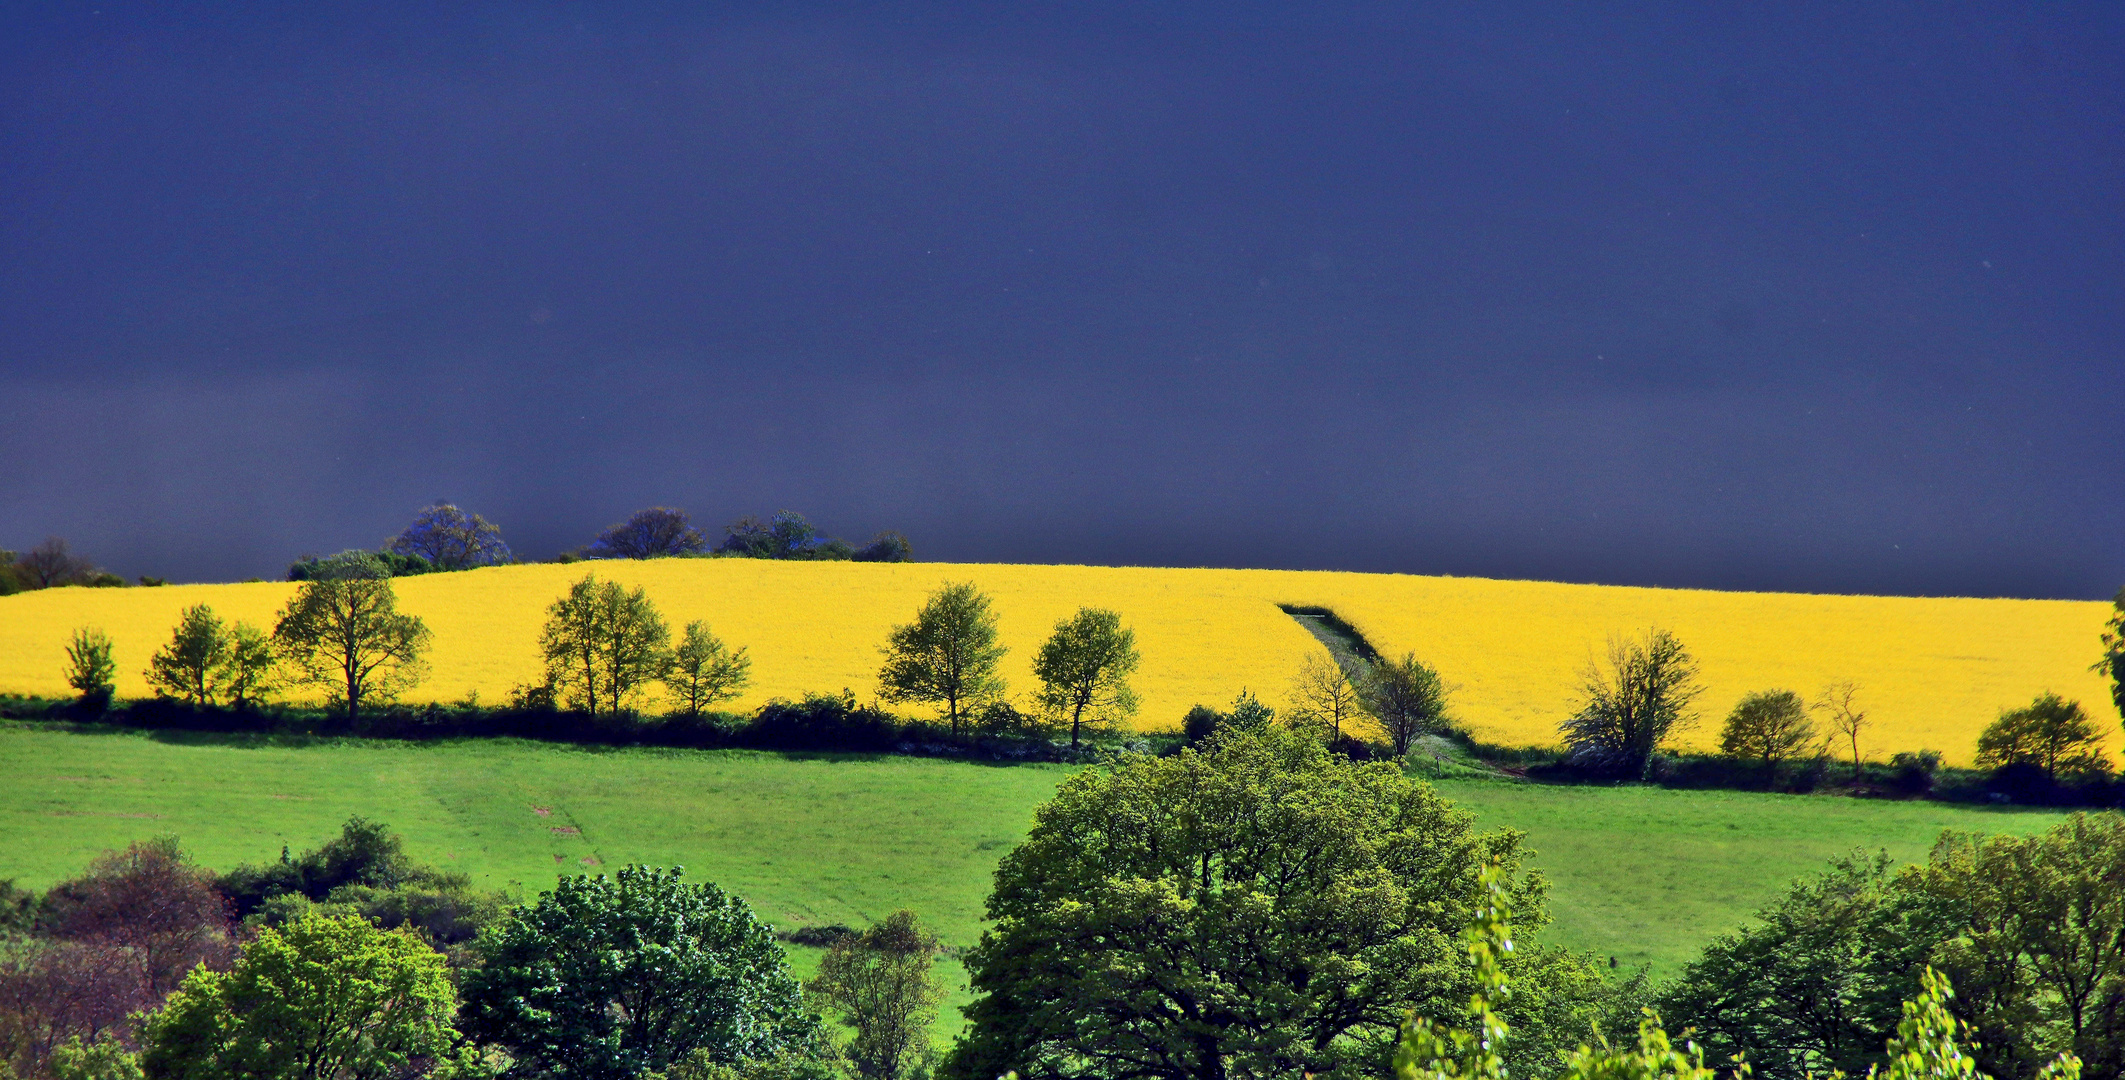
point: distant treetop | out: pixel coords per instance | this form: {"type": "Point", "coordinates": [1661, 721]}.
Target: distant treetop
{"type": "Point", "coordinates": [659, 530]}
{"type": "Point", "coordinates": [451, 538]}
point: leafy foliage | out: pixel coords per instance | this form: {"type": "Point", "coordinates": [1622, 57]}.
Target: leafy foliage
{"type": "Point", "coordinates": [1769, 725]}
{"type": "Point", "coordinates": [1408, 699]}
{"type": "Point", "coordinates": [356, 563]}
{"type": "Point", "coordinates": [2113, 661]}
{"type": "Point", "coordinates": [888, 546]}
{"type": "Point", "coordinates": [346, 635]}
{"type": "Point", "coordinates": [606, 979]}
{"type": "Point", "coordinates": [603, 644]}
{"type": "Point", "coordinates": [704, 671]}
{"type": "Point", "coordinates": [451, 539]}
{"type": "Point", "coordinates": [948, 656]}
{"type": "Point", "coordinates": [189, 667]}
{"type": "Point", "coordinates": [1084, 670]}
{"type": "Point", "coordinates": [161, 913]}
{"type": "Point", "coordinates": [1255, 907]}
{"type": "Point", "coordinates": [1632, 704]}
{"type": "Point", "coordinates": [90, 669]}
{"type": "Point", "coordinates": [1323, 689]}
{"type": "Point", "coordinates": [652, 533]}
{"type": "Point", "coordinates": [321, 998]}
{"type": "Point", "coordinates": [785, 536]}
{"type": "Point", "coordinates": [2050, 733]}
{"type": "Point", "coordinates": [881, 984]}
{"type": "Point", "coordinates": [364, 871]}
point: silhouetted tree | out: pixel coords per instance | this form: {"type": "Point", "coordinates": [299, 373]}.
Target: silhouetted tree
{"type": "Point", "coordinates": [50, 564]}
{"type": "Point", "coordinates": [452, 539]}
{"type": "Point", "coordinates": [785, 536]}
{"type": "Point", "coordinates": [1084, 670]}
{"type": "Point", "coordinates": [657, 531]}
{"type": "Point", "coordinates": [1633, 703]}
{"type": "Point", "coordinates": [947, 656]}
{"type": "Point", "coordinates": [1323, 689]}
{"type": "Point", "coordinates": [887, 546]}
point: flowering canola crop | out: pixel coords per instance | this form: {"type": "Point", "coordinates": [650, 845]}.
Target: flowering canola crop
{"type": "Point", "coordinates": [1933, 671]}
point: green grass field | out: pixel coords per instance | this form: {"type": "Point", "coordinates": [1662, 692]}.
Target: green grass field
{"type": "Point", "coordinates": [1645, 875]}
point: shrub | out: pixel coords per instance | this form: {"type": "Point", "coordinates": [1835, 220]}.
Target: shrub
{"type": "Point", "coordinates": [1913, 772]}
{"type": "Point", "coordinates": [1769, 725]}
{"type": "Point", "coordinates": [821, 722]}
{"type": "Point", "coordinates": [886, 547]}
{"type": "Point", "coordinates": [1632, 704]}
{"type": "Point", "coordinates": [355, 563]}
{"type": "Point", "coordinates": [90, 670]}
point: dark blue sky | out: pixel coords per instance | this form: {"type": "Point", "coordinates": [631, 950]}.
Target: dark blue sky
{"type": "Point", "coordinates": [1826, 297]}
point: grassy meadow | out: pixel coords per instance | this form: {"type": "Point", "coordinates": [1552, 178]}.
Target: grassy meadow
{"type": "Point", "coordinates": [1646, 875]}
{"type": "Point", "coordinates": [1933, 671]}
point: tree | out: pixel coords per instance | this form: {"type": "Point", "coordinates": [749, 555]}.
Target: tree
{"type": "Point", "coordinates": [2113, 661]}
{"type": "Point", "coordinates": [151, 902]}
{"type": "Point", "coordinates": [190, 667]}
{"type": "Point", "coordinates": [1923, 1047]}
{"type": "Point", "coordinates": [704, 671]}
{"type": "Point", "coordinates": [321, 998]}
{"type": "Point", "coordinates": [1846, 718]}
{"type": "Point", "coordinates": [1407, 697]}
{"type": "Point", "coordinates": [604, 644]}
{"type": "Point", "coordinates": [888, 546]}
{"type": "Point", "coordinates": [2050, 733]}
{"type": "Point", "coordinates": [346, 634]}
{"type": "Point", "coordinates": [880, 983]}
{"type": "Point", "coordinates": [1323, 688]}
{"type": "Point", "coordinates": [947, 656]}
{"type": "Point", "coordinates": [1256, 907]}
{"type": "Point", "coordinates": [50, 564]}
{"type": "Point", "coordinates": [1633, 704]}
{"type": "Point", "coordinates": [248, 674]}
{"type": "Point", "coordinates": [90, 670]}
{"type": "Point", "coordinates": [649, 534]}
{"type": "Point", "coordinates": [606, 979]}
{"type": "Point", "coordinates": [1769, 725]}
{"type": "Point", "coordinates": [785, 536]}
{"type": "Point", "coordinates": [1084, 669]}
{"type": "Point", "coordinates": [452, 539]}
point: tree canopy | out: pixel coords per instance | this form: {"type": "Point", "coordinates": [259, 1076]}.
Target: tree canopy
{"type": "Point", "coordinates": [2050, 733]}
{"type": "Point", "coordinates": [948, 656]}
{"type": "Point", "coordinates": [605, 979]}
{"type": "Point", "coordinates": [603, 644]}
{"type": "Point", "coordinates": [1084, 670]}
{"type": "Point", "coordinates": [1769, 725]}
{"type": "Point", "coordinates": [346, 634]}
{"type": "Point", "coordinates": [1255, 907]}
{"type": "Point", "coordinates": [451, 539]}
{"type": "Point", "coordinates": [2113, 660]}
{"type": "Point", "coordinates": [648, 534]}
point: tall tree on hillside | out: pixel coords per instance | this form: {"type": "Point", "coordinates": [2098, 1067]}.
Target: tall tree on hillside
{"type": "Point", "coordinates": [2113, 661]}
{"type": "Point", "coordinates": [1084, 670]}
{"type": "Point", "coordinates": [1407, 697]}
{"type": "Point", "coordinates": [346, 635]}
{"type": "Point", "coordinates": [50, 564]}
{"type": "Point", "coordinates": [1769, 725]}
{"type": "Point", "coordinates": [451, 538]}
{"type": "Point", "coordinates": [948, 656]}
{"type": "Point", "coordinates": [1633, 703]}
{"type": "Point", "coordinates": [603, 644]}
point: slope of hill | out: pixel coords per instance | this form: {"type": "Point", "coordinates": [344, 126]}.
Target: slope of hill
{"type": "Point", "coordinates": [1933, 671]}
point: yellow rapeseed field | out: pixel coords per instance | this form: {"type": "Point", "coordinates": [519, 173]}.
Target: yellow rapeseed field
{"type": "Point", "coordinates": [1933, 672]}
